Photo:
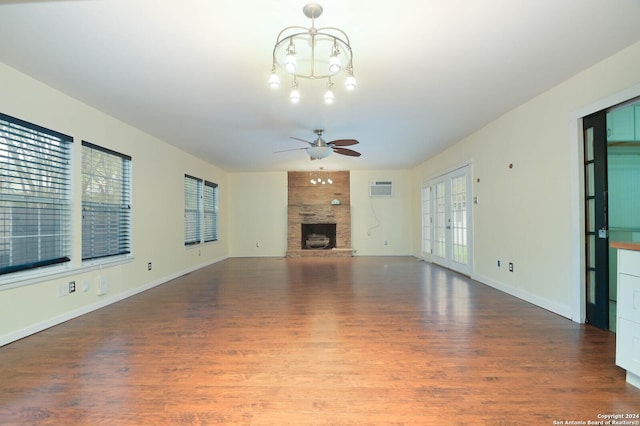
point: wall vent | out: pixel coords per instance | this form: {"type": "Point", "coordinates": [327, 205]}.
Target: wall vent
{"type": "Point", "coordinates": [380, 188]}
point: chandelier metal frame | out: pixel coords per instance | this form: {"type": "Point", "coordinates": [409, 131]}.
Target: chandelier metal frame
{"type": "Point", "coordinates": [327, 53]}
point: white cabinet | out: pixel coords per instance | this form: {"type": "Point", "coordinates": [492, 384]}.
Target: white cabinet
{"type": "Point", "coordinates": [628, 321]}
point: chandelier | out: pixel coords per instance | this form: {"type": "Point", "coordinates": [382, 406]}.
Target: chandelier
{"type": "Point", "coordinates": [312, 53]}
{"type": "Point", "coordinates": [320, 179]}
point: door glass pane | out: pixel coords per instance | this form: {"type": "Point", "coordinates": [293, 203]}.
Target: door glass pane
{"type": "Point", "coordinates": [591, 286]}
{"type": "Point", "coordinates": [459, 215]}
{"type": "Point", "coordinates": [591, 251]}
{"type": "Point", "coordinates": [591, 214]}
{"type": "Point", "coordinates": [588, 144]}
{"type": "Point", "coordinates": [589, 179]}
{"type": "Point", "coordinates": [439, 228]}
{"type": "Point", "coordinates": [426, 219]}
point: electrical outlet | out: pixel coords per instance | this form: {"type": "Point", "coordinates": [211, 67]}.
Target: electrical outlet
{"type": "Point", "coordinates": [72, 287]}
{"type": "Point", "coordinates": [498, 263]}
{"type": "Point", "coordinates": [510, 267]}
{"type": "Point", "coordinates": [149, 266]}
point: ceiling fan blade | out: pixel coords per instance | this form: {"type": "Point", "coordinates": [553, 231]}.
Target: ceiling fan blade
{"type": "Point", "coordinates": [345, 151]}
{"type": "Point", "coordinates": [343, 142]}
{"type": "Point", "coordinates": [301, 140]}
{"type": "Point", "coordinates": [285, 150]}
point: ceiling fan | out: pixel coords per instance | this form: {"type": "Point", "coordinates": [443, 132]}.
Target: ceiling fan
{"type": "Point", "coordinates": [320, 148]}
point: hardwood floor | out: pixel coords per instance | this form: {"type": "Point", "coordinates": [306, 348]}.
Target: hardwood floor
{"type": "Point", "coordinates": [360, 340]}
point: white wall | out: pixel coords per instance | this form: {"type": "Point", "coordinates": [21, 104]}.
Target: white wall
{"type": "Point", "coordinates": [530, 214]}
{"type": "Point", "coordinates": [29, 303]}
{"type": "Point", "coordinates": [381, 226]}
{"type": "Point", "coordinates": [258, 209]}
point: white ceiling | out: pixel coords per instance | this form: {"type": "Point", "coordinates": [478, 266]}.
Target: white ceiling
{"type": "Point", "coordinates": [194, 72]}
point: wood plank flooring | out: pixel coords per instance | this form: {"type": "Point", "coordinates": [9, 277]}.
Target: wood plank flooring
{"type": "Point", "coordinates": [266, 341]}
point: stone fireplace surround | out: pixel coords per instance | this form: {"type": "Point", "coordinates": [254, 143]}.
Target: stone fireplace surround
{"type": "Point", "coordinates": [312, 204]}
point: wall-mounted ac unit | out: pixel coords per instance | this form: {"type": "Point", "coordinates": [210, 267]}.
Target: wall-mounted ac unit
{"type": "Point", "coordinates": [380, 188]}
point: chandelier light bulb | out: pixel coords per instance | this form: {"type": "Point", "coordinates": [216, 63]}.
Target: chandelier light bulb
{"type": "Point", "coordinates": [334, 63]}
{"type": "Point", "coordinates": [350, 84]}
{"type": "Point", "coordinates": [290, 63]}
{"type": "Point", "coordinates": [329, 98]}
{"type": "Point", "coordinates": [274, 81]}
{"type": "Point", "coordinates": [334, 60]}
{"type": "Point", "coordinates": [294, 96]}
{"type": "Point", "coordinates": [290, 59]}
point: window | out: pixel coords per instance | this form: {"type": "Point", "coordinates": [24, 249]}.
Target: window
{"type": "Point", "coordinates": [106, 202]}
{"type": "Point", "coordinates": [200, 211]}
{"type": "Point", "coordinates": [192, 208]}
{"type": "Point", "coordinates": [35, 200]}
{"type": "Point", "coordinates": [210, 211]}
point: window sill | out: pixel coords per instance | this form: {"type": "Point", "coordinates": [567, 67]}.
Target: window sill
{"type": "Point", "coordinates": [20, 279]}
{"type": "Point", "coordinates": [200, 244]}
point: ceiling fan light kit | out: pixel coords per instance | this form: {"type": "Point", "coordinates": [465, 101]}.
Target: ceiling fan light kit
{"type": "Point", "coordinates": [312, 53]}
{"type": "Point", "coordinates": [319, 148]}
{"type": "Point", "coordinates": [319, 152]}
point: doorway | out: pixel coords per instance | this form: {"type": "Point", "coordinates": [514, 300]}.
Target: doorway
{"type": "Point", "coordinates": [446, 220]}
{"type": "Point", "coordinates": [612, 202]}
{"type": "Point", "coordinates": [623, 176]}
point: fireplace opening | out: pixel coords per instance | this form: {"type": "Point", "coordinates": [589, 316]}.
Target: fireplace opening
{"type": "Point", "coordinates": [318, 236]}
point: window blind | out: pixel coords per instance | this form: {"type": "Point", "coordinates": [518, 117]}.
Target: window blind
{"type": "Point", "coordinates": [192, 209]}
{"type": "Point", "coordinates": [35, 201]}
{"type": "Point", "coordinates": [210, 211]}
{"type": "Point", "coordinates": [106, 202]}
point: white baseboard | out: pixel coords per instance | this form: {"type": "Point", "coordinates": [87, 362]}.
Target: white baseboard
{"type": "Point", "coordinates": [560, 309]}
{"type": "Point", "coordinates": [43, 325]}
{"type": "Point", "coordinates": [550, 305]}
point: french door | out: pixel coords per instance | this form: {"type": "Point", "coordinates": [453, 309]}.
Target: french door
{"type": "Point", "coordinates": [446, 220]}
{"type": "Point", "coordinates": [596, 222]}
